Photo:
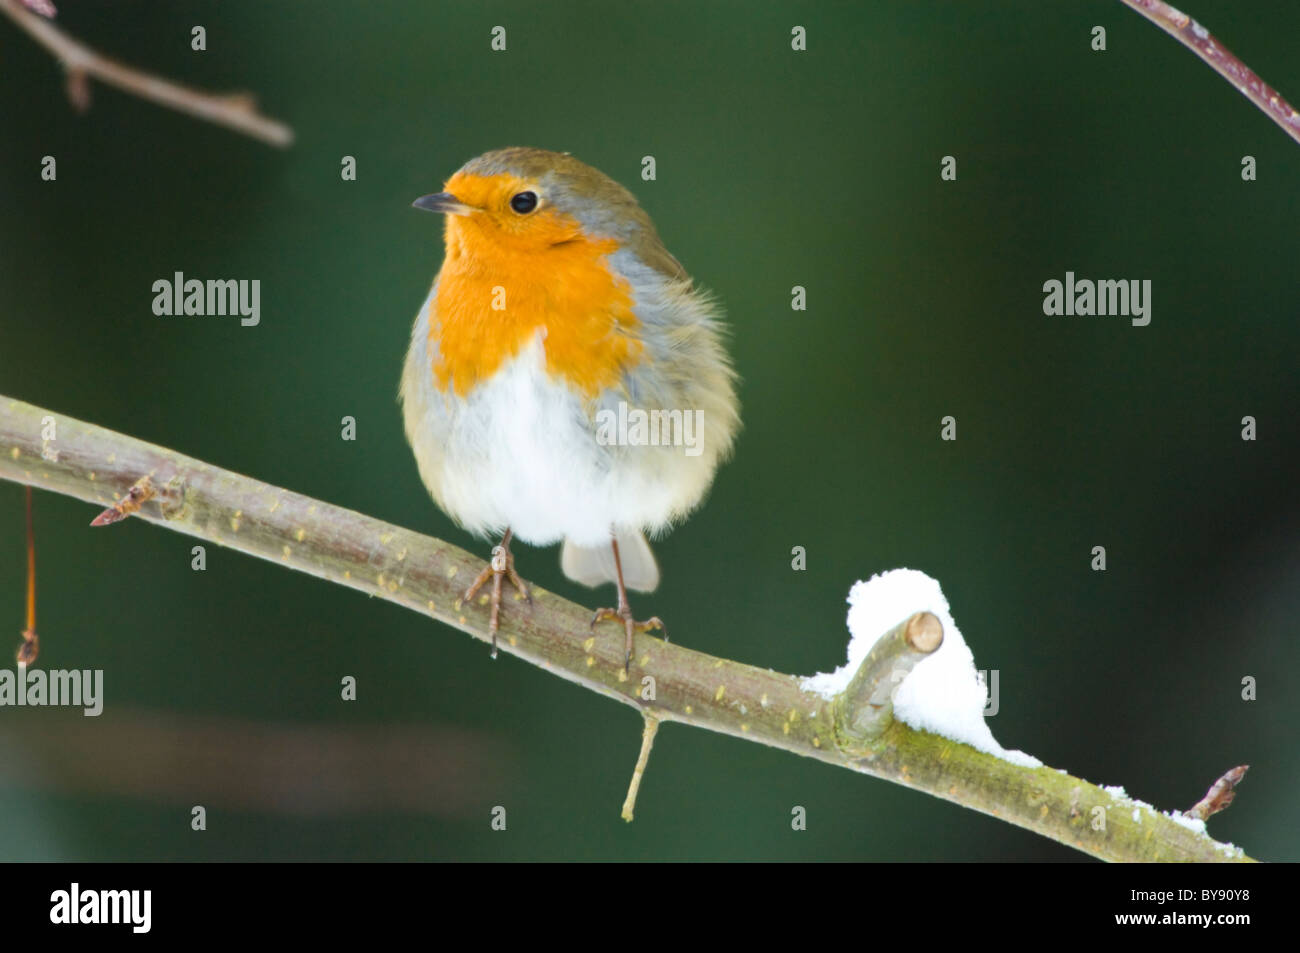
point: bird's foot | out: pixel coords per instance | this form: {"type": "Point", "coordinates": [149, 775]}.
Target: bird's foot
{"type": "Point", "coordinates": [631, 626]}
{"type": "Point", "coordinates": [500, 568]}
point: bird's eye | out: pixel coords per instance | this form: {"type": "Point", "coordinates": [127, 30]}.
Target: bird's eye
{"type": "Point", "coordinates": [524, 202]}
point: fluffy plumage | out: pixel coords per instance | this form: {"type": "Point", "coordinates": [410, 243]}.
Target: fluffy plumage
{"type": "Point", "coordinates": [502, 406]}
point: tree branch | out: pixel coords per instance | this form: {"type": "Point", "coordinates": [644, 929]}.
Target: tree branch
{"type": "Point", "coordinates": [427, 575]}
{"type": "Point", "coordinates": [234, 110]}
{"type": "Point", "coordinates": [1221, 59]}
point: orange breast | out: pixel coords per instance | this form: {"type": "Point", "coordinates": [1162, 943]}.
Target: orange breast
{"type": "Point", "coordinates": [493, 298]}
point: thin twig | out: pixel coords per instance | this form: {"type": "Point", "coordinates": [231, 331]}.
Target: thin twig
{"type": "Point", "coordinates": [427, 575]}
{"type": "Point", "coordinates": [648, 732]}
{"type": "Point", "coordinates": [1222, 60]}
{"type": "Point", "coordinates": [30, 648]}
{"type": "Point", "coordinates": [234, 110]}
{"type": "Point", "coordinates": [31, 567]}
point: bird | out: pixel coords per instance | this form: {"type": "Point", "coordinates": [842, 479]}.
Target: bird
{"type": "Point", "coordinates": [566, 380]}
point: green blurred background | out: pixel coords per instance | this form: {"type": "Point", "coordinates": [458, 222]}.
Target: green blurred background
{"type": "Point", "coordinates": [775, 168]}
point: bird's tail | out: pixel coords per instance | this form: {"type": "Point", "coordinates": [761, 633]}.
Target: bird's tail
{"type": "Point", "coordinates": [593, 565]}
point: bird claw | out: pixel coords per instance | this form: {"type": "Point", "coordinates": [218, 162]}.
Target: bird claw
{"type": "Point", "coordinates": [499, 568]}
{"type": "Point", "coordinates": [624, 614]}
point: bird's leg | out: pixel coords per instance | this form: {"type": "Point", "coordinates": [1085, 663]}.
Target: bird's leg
{"type": "Point", "coordinates": [502, 566]}
{"type": "Point", "coordinates": [624, 611]}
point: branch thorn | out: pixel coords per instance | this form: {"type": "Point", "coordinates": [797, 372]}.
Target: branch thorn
{"type": "Point", "coordinates": [1220, 794]}
{"type": "Point", "coordinates": [140, 493]}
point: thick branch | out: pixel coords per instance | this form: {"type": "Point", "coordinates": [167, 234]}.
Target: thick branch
{"type": "Point", "coordinates": [427, 575]}
{"type": "Point", "coordinates": [1221, 59]}
{"type": "Point", "coordinates": [234, 111]}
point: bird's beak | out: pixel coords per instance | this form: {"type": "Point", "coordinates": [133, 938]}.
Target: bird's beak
{"type": "Point", "coordinates": [443, 202]}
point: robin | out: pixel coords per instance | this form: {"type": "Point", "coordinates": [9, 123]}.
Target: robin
{"type": "Point", "coordinates": [566, 379]}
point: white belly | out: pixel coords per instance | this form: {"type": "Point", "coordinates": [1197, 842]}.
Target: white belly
{"type": "Point", "coordinates": [520, 451]}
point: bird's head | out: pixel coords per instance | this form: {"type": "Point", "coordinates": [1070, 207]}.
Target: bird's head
{"type": "Point", "coordinates": [523, 200]}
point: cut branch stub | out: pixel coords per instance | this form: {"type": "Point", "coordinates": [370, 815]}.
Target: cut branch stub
{"type": "Point", "coordinates": [866, 706]}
